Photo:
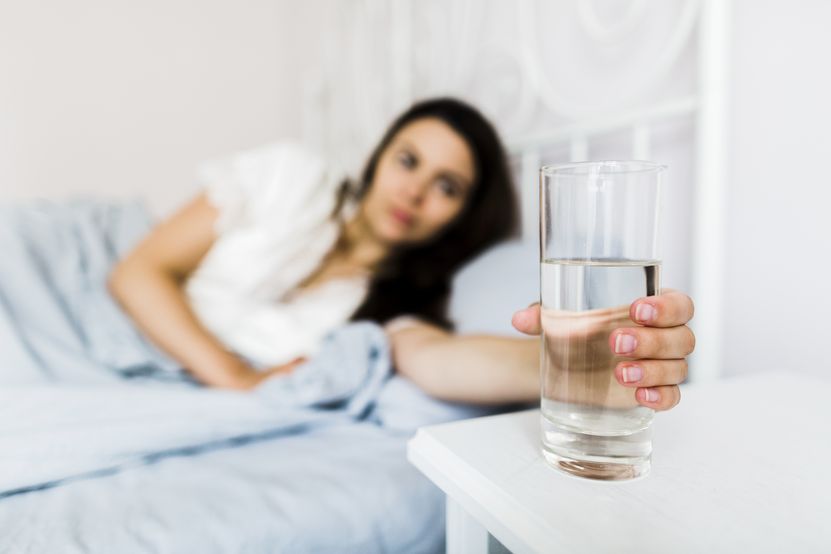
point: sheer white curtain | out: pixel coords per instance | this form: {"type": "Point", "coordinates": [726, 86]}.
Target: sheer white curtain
{"type": "Point", "coordinates": [530, 65]}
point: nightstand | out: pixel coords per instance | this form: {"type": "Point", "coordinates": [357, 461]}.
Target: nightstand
{"type": "Point", "coordinates": [743, 464]}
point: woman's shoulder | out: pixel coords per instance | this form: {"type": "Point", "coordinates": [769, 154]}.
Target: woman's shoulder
{"type": "Point", "coordinates": [269, 180]}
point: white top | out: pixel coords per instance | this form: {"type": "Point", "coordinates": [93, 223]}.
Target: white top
{"type": "Point", "coordinates": [741, 465]}
{"type": "Point", "coordinates": [274, 228]}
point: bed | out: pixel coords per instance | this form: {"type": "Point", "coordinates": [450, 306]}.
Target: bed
{"type": "Point", "coordinates": [106, 447]}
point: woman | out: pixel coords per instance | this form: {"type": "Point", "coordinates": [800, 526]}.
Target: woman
{"type": "Point", "coordinates": [245, 280]}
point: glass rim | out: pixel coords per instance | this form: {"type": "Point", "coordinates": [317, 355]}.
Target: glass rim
{"type": "Point", "coordinates": [616, 167]}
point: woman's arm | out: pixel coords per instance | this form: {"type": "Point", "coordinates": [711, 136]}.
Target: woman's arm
{"type": "Point", "coordinates": [476, 369]}
{"type": "Point", "coordinates": [496, 370]}
{"type": "Point", "coordinates": [148, 283]}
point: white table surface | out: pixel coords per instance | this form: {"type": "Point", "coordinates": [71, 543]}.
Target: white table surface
{"type": "Point", "coordinates": [741, 465]}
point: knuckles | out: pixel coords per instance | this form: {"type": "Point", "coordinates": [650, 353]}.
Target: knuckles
{"type": "Point", "coordinates": [671, 397]}
{"type": "Point", "coordinates": [690, 344]}
{"type": "Point", "coordinates": [666, 344]}
{"type": "Point", "coordinates": [675, 398]}
{"type": "Point", "coordinates": [676, 307]}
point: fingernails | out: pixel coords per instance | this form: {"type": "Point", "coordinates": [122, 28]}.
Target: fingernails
{"type": "Point", "coordinates": [631, 373]}
{"type": "Point", "coordinates": [645, 312]}
{"type": "Point", "coordinates": [625, 344]}
{"type": "Point", "coordinates": [649, 395]}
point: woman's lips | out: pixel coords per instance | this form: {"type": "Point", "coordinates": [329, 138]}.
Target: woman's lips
{"type": "Point", "coordinates": [402, 216]}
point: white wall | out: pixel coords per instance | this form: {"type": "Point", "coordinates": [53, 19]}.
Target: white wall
{"type": "Point", "coordinates": [124, 98]}
{"type": "Point", "coordinates": [777, 301]}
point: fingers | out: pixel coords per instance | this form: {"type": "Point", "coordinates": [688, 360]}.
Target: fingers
{"type": "Point", "coordinates": [659, 398]}
{"type": "Point", "coordinates": [651, 373]}
{"type": "Point", "coordinates": [286, 368]}
{"type": "Point", "coordinates": [528, 320]}
{"type": "Point", "coordinates": [670, 309]}
{"type": "Point", "coordinates": [644, 342]}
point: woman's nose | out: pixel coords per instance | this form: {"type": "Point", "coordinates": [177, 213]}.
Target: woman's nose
{"type": "Point", "coordinates": [416, 189]}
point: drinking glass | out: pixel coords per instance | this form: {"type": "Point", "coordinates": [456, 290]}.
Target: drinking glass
{"type": "Point", "coordinates": [598, 253]}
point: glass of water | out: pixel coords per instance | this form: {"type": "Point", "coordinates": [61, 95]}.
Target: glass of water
{"type": "Point", "coordinates": [598, 253]}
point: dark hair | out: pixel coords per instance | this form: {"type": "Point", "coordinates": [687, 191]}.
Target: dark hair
{"type": "Point", "coordinates": [416, 280]}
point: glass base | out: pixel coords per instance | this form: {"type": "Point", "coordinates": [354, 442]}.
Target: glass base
{"type": "Point", "coordinates": [601, 471]}
{"type": "Point", "coordinates": [606, 458]}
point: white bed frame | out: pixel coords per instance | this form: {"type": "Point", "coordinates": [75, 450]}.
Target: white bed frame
{"type": "Point", "coordinates": [708, 108]}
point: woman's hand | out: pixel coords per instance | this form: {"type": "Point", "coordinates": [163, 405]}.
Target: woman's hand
{"type": "Point", "coordinates": [248, 378]}
{"type": "Point", "coordinates": [654, 350]}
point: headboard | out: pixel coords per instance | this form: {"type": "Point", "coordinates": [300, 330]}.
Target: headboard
{"type": "Point", "coordinates": [577, 137]}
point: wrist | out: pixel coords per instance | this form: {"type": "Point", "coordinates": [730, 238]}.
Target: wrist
{"type": "Point", "coordinates": [243, 377]}
{"type": "Point", "coordinates": [228, 372]}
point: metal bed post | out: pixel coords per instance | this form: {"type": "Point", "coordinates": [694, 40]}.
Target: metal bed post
{"type": "Point", "coordinates": [710, 190]}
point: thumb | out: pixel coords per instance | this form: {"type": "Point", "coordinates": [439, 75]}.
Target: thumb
{"type": "Point", "coordinates": [527, 320]}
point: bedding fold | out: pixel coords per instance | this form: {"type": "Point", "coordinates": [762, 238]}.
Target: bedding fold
{"type": "Point", "coordinates": [56, 432]}
{"type": "Point", "coordinates": [58, 321]}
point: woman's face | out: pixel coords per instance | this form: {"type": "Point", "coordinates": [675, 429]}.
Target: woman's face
{"type": "Point", "coordinates": [422, 181]}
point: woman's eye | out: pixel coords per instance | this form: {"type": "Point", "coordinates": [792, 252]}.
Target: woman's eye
{"type": "Point", "coordinates": [448, 187]}
{"type": "Point", "coordinates": [407, 160]}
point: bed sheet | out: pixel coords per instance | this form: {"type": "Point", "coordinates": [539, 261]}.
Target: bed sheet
{"type": "Point", "coordinates": [255, 499]}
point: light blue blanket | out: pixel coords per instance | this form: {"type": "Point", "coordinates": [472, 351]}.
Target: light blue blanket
{"type": "Point", "coordinates": [57, 319]}
{"type": "Point", "coordinates": [85, 398]}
